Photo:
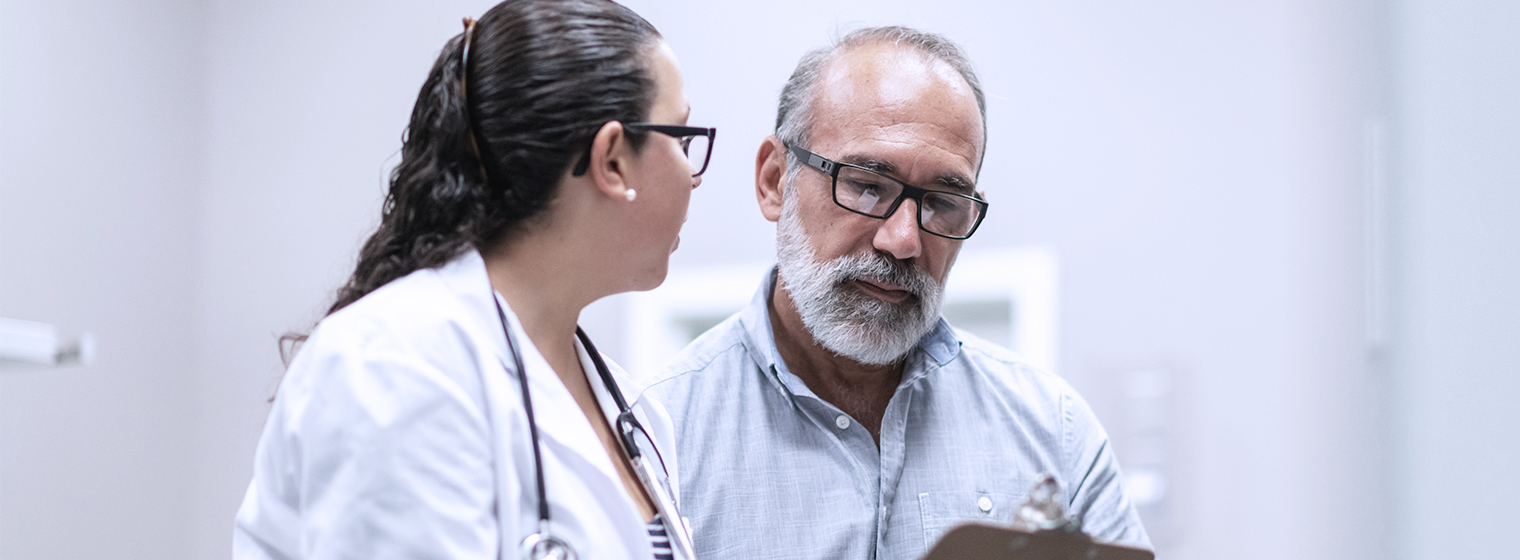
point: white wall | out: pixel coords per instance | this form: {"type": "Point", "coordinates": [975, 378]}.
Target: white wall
{"type": "Point", "coordinates": [1457, 273]}
{"type": "Point", "coordinates": [100, 120]}
{"type": "Point", "coordinates": [194, 178]}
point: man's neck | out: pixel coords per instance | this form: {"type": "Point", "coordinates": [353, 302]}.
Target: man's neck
{"type": "Point", "coordinates": [860, 390]}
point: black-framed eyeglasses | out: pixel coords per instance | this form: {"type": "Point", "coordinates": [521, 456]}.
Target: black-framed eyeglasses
{"type": "Point", "coordinates": [868, 193]}
{"type": "Point", "coordinates": [696, 143]}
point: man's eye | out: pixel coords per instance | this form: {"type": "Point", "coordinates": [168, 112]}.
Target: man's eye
{"type": "Point", "coordinates": [940, 204]}
{"type": "Point", "coordinates": [865, 187]}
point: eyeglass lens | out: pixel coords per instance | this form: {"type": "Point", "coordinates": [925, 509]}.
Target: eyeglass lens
{"type": "Point", "coordinates": [873, 194]}
{"type": "Point", "coordinates": [696, 148]}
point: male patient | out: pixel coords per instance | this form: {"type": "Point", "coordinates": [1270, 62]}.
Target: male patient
{"type": "Point", "coordinates": [838, 416]}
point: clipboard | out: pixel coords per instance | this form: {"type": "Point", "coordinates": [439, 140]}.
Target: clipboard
{"type": "Point", "coordinates": [979, 541]}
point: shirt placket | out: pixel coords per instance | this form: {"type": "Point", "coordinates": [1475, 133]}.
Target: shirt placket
{"type": "Point", "coordinates": [856, 442]}
{"type": "Point", "coordinates": [893, 455]}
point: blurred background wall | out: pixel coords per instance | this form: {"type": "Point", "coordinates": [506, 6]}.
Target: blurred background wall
{"type": "Point", "coordinates": [102, 124]}
{"type": "Point", "coordinates": [1301, 216]}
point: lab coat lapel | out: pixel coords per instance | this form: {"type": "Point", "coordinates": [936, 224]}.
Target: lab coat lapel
{"type": "Point", "coordinates": [567, 436]}
{"type": "Point", "coordinates": [563, 430]}
{"type": "Point", "coordinates": [560, 422]}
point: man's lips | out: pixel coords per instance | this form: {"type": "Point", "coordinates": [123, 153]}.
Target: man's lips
{"type": "Point", "coordinates": [882, 290]}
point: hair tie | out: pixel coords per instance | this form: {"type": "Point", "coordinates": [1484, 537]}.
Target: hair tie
{"type": "Point", "coordinates": [464, 58]}
{"type": "Point", "coordinates": [482, 152]}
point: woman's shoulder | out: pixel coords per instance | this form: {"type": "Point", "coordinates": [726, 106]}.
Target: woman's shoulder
{"type": "Point", "coordinates": [430, 305]}
{"type": "Point", "coordinates": [423, 323]}
{"type": "Point", "coordinates": [414, 305]}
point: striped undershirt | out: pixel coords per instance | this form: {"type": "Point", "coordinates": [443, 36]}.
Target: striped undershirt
{"type": "Point", "coordinates": [659, 540]}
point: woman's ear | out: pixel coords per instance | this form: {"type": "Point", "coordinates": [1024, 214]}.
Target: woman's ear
{"type": "Point", "coordinates": [610, 153]}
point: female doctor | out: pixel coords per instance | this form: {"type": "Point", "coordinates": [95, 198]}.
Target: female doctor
{"type": "Point", "coordinates": [448, 406]}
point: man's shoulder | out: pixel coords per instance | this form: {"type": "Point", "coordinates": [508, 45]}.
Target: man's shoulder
{"type": "Point", "coordinates": [706, 360]}
{"type": "Point", "coordinates": [1006, 367]}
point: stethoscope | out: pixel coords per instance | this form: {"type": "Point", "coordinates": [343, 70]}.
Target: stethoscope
{"type": "Point", "coordinates": [543, 545]}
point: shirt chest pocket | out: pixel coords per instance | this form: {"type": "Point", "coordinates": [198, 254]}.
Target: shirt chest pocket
{"type": "Point", "coordinates": [939, 511]}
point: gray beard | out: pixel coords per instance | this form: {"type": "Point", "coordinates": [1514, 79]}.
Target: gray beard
{"type": "Point", "coordinates": [840, 317]}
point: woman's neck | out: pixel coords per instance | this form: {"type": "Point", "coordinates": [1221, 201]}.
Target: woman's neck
{"type": "Point", "coordinates": [547, 292]}
{"type": "Point", "coordinates": [549, 275]}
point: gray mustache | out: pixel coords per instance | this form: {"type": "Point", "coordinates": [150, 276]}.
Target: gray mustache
{"type": "Point", "coordinates": [881, 268]}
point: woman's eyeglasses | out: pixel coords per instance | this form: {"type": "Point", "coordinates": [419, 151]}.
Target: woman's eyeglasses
{"type": "Point", "coordinates": [695, 142]}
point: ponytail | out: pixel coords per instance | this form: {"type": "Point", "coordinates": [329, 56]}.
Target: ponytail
{"type": "Point", "coordinates": [437, 196]}
{"type": "Point", "coordinates": [543, 77]}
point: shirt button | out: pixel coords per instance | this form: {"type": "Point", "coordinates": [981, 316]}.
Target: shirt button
{"type": "Point", "coordinates": [842, 421]}
{"type": "Point", "coordinates": [984, 503]}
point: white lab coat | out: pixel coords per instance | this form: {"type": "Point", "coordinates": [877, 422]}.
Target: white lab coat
{"type": "Point", "coordinates": [383, 438]}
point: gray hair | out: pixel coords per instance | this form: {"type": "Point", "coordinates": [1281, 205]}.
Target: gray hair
{"type": "Point", "coordinates": [795, 116]}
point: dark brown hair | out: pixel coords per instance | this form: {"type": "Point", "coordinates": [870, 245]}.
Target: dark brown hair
{"type": "Point", "coordinates": [543, 77]}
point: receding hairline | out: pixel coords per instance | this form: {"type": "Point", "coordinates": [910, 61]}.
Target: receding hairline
{"type": "Point", "coordinates": [936, 67]}
{"type": "Point", "coordinates": [872, 41]}
{"type": "Point", "coordinates": [796, 112]}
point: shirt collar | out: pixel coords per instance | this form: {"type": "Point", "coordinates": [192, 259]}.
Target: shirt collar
{"type": "Point", "coordinates": [938, 347]}
{"type": "Point", "coordinates": [759, 339]}
{"type": "Point", "coordinates": [941, 346]}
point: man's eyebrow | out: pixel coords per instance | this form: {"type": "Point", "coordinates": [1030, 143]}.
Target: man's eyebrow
{"type": "Point", "coordinates": [954, 182]}
{"type": "Point", "coordinates": [879, 166]}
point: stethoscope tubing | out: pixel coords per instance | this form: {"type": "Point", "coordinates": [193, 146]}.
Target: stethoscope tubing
{"type": "Point", "coordinates": [544, 545]}
{"type": "Point", "coordinates": [522, 378]}
{"type": "Point", "coordinates": [675, 525]}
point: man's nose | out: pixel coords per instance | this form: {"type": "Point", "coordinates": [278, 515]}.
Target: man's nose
{"type": "Point", "coordinates": [696, 181]}
{"type": "Point", "coordinates": [898, 233]}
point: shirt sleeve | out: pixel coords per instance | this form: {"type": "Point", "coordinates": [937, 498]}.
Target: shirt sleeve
{"type": "Point", "coordinates": [395, 461]}
{"type": "Point", "coordinates": [1094, 481]}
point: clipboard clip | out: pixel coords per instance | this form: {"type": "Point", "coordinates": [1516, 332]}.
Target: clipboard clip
{"type": "Point", "coordinates": [1042, 529]}
{"type": "Point", "coordinates": [1045, 510]}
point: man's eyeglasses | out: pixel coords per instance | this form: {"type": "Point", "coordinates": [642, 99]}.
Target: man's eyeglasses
{"type": "Point", "coordinates": [868, 193]}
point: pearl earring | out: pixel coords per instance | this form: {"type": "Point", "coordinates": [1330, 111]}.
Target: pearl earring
{"type": "Point", "coordinates": [630, 194]}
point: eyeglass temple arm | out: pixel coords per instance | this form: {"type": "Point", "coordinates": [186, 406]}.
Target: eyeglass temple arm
{"type": "Point", "coordinates": [813, 160]}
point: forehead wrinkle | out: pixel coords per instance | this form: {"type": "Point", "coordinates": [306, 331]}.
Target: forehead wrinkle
{"type": "Point", "coordinates": [912, 138]}
{"type": "Point", "coordinates": [953, 181]}
{"type": "Point", "coordinates": [919, 158]}
{"type": "Point", "coordinates": [911, 132]}
{"type": "Point", "coordinates": [897, 111]}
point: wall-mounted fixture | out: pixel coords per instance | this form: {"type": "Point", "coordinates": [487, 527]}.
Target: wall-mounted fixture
{"type": "Point", "coordinates": [31, 342]}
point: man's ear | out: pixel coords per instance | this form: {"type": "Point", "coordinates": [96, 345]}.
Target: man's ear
{"type": "Point", "coordinates": [609, 165]}
{"type": "Point", "coordinates": [770, 177]}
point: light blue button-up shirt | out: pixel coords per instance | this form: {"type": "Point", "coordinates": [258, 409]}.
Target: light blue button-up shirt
{"type": "Point", "coordinates": [769, 470]}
